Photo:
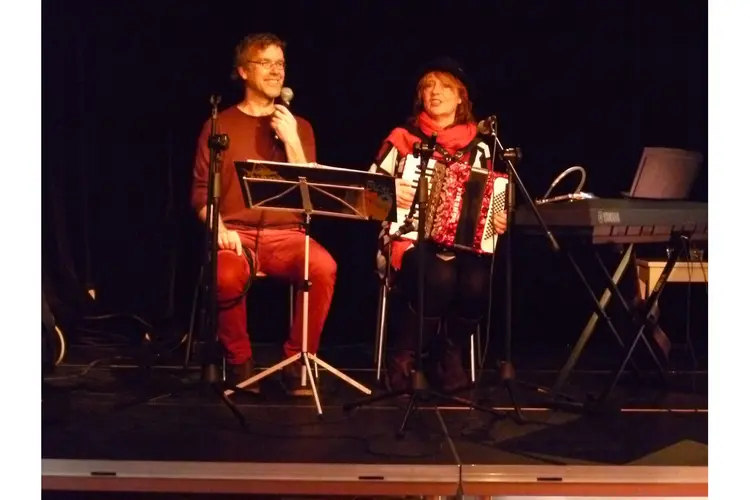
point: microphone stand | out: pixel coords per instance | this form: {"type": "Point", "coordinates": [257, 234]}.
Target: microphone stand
{"type": "Point", "coordinates": [217, 143]}
{"type": "Point", "coordinates": [507, 370]}
{"type": "Point", "coordinates": [505, 364]}
{"type": "Point", "coordinates": [419, 390]}
{"type": "Point", "coordinates": [208, 312]}
{"type": "Point", "coordinates": [418, 378]}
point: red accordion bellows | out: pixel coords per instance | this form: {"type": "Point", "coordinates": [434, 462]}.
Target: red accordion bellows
{"type": "Point", "coordinates": [462, 202]}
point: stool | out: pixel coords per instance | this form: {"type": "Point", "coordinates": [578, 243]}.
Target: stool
{"type": "Point", "coordinates": [683, 272]}
{"type": "Point", "coordinates": [189, 340]}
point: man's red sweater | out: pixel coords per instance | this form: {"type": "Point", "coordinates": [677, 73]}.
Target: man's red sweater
{"type": "Point", "coordinates": [250, 138]}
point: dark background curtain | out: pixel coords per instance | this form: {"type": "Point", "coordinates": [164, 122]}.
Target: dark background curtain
{"type": "Point", "coordinates": [126, 88]}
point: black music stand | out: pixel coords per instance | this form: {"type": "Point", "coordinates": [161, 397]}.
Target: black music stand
{"type": "Point", "coordinates": [312, 189]}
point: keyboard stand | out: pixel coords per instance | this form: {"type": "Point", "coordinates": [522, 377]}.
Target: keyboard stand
{"type": "Point", "coordinates": [588, 330]}
{"type": "Point", "coordinates": [678, 245]}
{"type": "Point", "coordinates": [641, 321]}
{"type": "Point", "coordinates": [603, 221]}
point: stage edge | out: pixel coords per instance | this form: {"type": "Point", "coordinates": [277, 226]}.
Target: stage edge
{"type": "Point", "coordinates": [249, 478]}
{"type": "Point", "coordinates": [602, 481]}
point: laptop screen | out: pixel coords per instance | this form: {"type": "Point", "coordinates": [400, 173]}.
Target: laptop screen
{"type": "Point", "coordinates": [666, 174]}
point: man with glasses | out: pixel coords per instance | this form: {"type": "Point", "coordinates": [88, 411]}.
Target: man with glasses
{"type": "Point", "coordinates": [261, 129]}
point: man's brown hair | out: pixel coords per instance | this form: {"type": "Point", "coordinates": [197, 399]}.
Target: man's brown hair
{"type": "Point", "coordinates": [258, 41]}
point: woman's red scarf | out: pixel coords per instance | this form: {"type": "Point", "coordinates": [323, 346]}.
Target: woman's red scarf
{"type": "Point", "coordinates": [452, 139]}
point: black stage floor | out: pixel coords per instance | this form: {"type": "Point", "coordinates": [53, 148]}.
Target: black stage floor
{"type": "Point", "coordinates": [122, 428]}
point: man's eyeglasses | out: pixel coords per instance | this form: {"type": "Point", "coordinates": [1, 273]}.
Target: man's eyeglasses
{"type": "Point", "coordinates": [265, 64]}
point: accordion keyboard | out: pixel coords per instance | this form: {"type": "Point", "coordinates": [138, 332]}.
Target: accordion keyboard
{"type": "Point", "coordinates": [498, 205]}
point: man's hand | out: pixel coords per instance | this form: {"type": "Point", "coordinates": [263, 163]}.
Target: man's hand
{"type": "Point", "coordinates": [285, 125]}
{"type": "Point", "coordinates": [404, 193]}
{"type": "Point", "coordinates": [500, 222]}
{"type": "Point", "coordinates": [230, 240]}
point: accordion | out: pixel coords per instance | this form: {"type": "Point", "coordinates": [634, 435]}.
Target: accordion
{"type": "Point", "coordinates": [461, 204]}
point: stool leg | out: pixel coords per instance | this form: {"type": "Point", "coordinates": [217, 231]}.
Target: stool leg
{"type": "Point", "coordinates": [473, 355]}
{"type": "Point", "coordinates": [479, 346]}
{"type": "Point", "coordinates": [291, 305]}
{"type": "Point", "coordinates": [380, 334]}
{"type": "Point", "coordinates": [191, 327]}
{"type": "Point", "coordinates": [376, 348]}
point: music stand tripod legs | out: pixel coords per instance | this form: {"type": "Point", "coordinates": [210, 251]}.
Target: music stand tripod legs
{"type": "Point", "coordinates": [309, 359]}
{"type": "Point", "coordinates": [419, 390]}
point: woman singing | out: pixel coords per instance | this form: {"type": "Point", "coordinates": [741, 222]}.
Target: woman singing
{"type": "Point", "coordinates": [456, 282]}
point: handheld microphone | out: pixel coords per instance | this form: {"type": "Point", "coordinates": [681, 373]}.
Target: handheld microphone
{"type": "Point", "coordinates": [487, 125]}
{"type": "Point", "coordinates": [286, 96]}
{"type": "Point", "coordinates": [286, 100]}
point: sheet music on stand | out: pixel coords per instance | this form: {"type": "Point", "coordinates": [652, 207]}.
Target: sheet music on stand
{"type": "Point", "coordinates": [318, 190]}
{"type": "Point", "coordinates": [312, 189]}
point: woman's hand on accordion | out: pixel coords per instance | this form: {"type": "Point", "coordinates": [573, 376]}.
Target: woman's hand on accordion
{"type": "Point", "coordinates": [500, 221]}
{"type": "Point", "coordinates": [404, 193]}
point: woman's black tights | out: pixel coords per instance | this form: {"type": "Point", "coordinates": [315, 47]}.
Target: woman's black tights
{"type": "Point", "coordinates": [459, 286]}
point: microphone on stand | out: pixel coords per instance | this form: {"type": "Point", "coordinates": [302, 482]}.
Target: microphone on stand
{"type": "Point", "coordinates": [487, 126]}
{"type": "Point", "coordinates": [286, 100]}
{"type": "Point", "coordinates": [405, 228]}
